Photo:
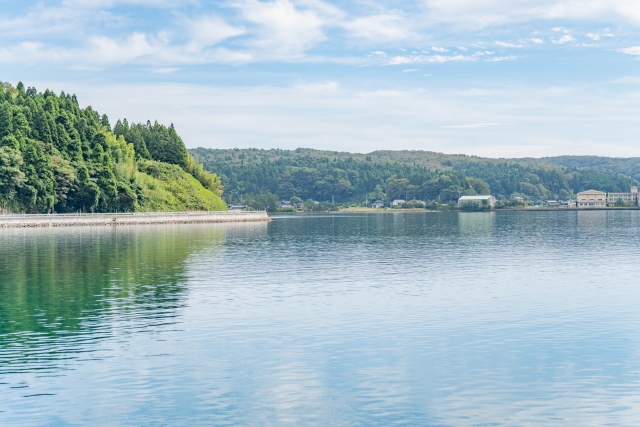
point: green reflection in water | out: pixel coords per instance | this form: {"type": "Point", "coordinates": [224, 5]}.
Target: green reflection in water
{"type": "Point", "coordinates": [59, 283]}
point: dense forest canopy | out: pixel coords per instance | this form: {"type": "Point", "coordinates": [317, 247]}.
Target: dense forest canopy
{"type": "Point", "coordinates": [56, 156]}
{"type": "Point", "coordinates": [629, 166]}
{"type": "Point", "coordinates": [349, 178]}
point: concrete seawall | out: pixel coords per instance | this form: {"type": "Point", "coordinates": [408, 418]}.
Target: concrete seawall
{"type": "Point", "coordinates": [68, 220]}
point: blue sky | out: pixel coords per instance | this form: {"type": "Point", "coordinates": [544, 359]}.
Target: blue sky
{"type": "Point", "coordinates": [500, 78]}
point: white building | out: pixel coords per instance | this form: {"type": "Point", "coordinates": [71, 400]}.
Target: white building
{"type": "Point", "coordinates": [397, 202]}
{"type": "Point", "coordinates": [377, 204]}
{"type": "Point", "coordinates": [592, 199]}
{"type": "Point", "coordinates": [627, 198]}
{"type": "Point", "coordinates": [480, 200]}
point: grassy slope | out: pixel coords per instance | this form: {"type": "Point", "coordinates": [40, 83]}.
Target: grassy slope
{"type": "Point", "coordinates": [167, 188]}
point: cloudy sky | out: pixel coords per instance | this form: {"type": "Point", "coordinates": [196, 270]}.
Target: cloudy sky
{"type": "Point", "coordinates": [499, 78]}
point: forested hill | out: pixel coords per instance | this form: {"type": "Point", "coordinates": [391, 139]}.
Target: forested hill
{"type": "Point", "coordinates": [56, 156]}
{"type": "Point", "coordinates": [623, 165]}
{"type": "Point", "coordinates": [354, 178]}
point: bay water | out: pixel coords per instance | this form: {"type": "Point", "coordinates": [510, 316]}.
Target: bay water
{"type": "Point", "coordinates": [410, 319]}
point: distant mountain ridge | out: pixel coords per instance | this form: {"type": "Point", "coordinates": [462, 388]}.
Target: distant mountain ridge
{"type": "Point", "coordinates": [353, 178]}
{"type": "Point", "coordinates": [629, 166]}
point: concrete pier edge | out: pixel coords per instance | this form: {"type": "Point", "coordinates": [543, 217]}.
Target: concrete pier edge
{"type": "Point", "coordinates": [139, 218]}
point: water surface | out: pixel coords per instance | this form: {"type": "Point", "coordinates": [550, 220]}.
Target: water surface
{"type": "Point", "coordinates": [426, 319]}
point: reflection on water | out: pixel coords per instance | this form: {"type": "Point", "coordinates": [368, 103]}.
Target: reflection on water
{"type": "Point", "coordinates": [434, 319]}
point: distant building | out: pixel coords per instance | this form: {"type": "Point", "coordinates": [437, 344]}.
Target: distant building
{"type": "Point", "coordinates": [300, 206]}
{"type": "Point", "coordinates": [592, 199]}
{"type": "Point", "coordinates": [627, 198]}
{"type": "Point", "coordinates": [558, 203]}
{"type": "Point", "coordinates": [480, 200]}
{"type": "Point", "coordinates": [237, 207]}
{"type": "Point", "coordinates": [397, 202]}
{"type": "Point", "coordinates": [284, 204]}
{"type": "Point", "coordinates": [377, 204]}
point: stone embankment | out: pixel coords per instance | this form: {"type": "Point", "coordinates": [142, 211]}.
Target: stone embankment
{"type": "Point", "coordinates": [68, 220]}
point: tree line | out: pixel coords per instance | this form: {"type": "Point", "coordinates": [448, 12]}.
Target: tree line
{"type": "Point", "coordinates": [56, 156]}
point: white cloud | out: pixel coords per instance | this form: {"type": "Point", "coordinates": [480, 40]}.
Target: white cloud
{"type": "Point", "coordinates": [319, 88]}
{"type": "Point", "coordinates": [474, 14]}
{"type": "Point", "coordinates": [633, 50]}
{"type": "Point", "coordinates": [208, 31]}
{"type": "Point", "coordinates": [284, 31]}
{"type": "Point", "coordinates": [536, 41]}
{"type": "Point", "coordinates": [564, 39]}
{"type": "Point", "coordinates": [108, 50]}
{"type": "Point", "coordinates": [410, 70]}
{"type": "Point", "coordinates": [505, 44]}
{"type": "Point", "coordinates": [483, 53]}
{"type": "Point", "coordinates": [600, 34]}
{"type": "Point", "coordinates": [105, 51]}
{"type": "Point", "coordinates": [100, 4]}
{"type": "Point", "coordinates": [501, 58]}
{"type": "Point", "coordinates": [439, 49]}
{"type": "Point", "coordinates": [379, 27]}
{"type": "Point", "coordinates": [471, 126]}
{"type": "Point", "coordinates": [462, 48]}
{"type": "Point", "coordinates": [419, 59]}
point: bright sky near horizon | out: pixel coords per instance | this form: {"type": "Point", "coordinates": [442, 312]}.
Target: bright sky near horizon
{"type": "Point", "coordinates": [500, 78]}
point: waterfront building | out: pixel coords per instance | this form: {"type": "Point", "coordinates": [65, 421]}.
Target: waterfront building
{"type": "Point", "coordinates": [377, 204]}
{"type": "Point", "coordinates": [480, 200]}
{"type": "Point", "coordinates": [592, 199]}
{"type": "Point", "coordinates": [397, 202]}
{"type": "Point", "coordinates": [630, 198]}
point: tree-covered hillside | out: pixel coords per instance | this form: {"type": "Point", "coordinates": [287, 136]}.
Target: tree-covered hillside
{"type": "Point", "coordinates": [353, 178]}
{"type": "Point", "coordinates": [629, 166]}
{"type": "Point", "coordinates": [56, 156]}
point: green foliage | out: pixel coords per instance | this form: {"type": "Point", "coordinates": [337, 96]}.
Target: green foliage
{"type": "Point", "coordinates": [350, 178]}
{"type": "Point", "coordinates": [55, 156]}
{"type": "Point", "coordinates": [413, 204]}
{"type": "Point", "coordinates": [166, 187]}
{"type": "Point", "coordinates": [263, 201]}
{"type": "Point", "coordinates": [475, 207]}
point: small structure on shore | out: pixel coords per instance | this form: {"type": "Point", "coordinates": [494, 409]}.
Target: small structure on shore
{"type": "Point", "coordinates": [378, 204]}
{"type": "Point", "coordinates": [397, 203]}
{"type": "Point", "coordinates": [482, 201]}
{"type": "Point", "coordinates": [560, 203]}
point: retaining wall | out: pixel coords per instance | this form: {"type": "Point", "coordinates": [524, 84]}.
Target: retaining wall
{"type": "Point", "coordinates": [67, 220]}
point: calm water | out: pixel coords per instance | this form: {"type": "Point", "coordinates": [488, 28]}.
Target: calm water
{"type": "Point", "coordinates": [470, 319]}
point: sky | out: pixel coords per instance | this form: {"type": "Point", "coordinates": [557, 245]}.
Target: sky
{"type": "Point", "coordinates": [498, 78]}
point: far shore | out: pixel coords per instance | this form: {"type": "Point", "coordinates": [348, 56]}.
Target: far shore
{"type": "Point", "coordinates": [418, 210]}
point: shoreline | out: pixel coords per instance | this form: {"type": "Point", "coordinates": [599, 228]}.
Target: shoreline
{"type": "Point", "coordinates": [397, 211]}
{"type": "Point", "coordinates": [138, 218]}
